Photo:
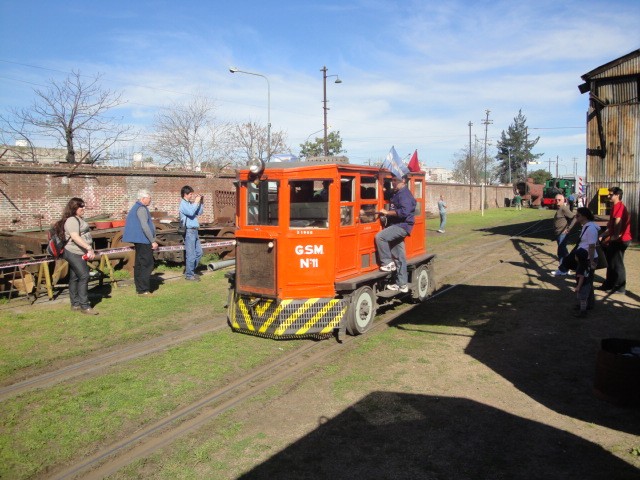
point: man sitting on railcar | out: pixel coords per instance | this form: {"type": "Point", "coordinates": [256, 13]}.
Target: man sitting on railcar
{"type": "Point", "coordinates": [390, 241]}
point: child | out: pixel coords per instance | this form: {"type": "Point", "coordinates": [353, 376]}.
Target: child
{"type": "Point", "coordinates": [586, 258]}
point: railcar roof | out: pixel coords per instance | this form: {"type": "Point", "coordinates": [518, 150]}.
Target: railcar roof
{"type": "Point", "coordinates": [320, 166]}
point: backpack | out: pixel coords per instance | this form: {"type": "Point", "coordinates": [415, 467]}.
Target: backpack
{"type": "Point", "coordinates": [56, 245]}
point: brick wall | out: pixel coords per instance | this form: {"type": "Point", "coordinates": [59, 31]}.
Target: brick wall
{"type": "Point", "coordinates": [36, 195]}
{"type": "Point", "coordinates": [33, 196]}
{"type": "Point", "coordinates": [457, 196]}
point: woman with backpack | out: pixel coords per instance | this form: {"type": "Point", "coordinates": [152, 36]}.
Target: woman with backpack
{"type": "Point", "coordinates": [77, 250]}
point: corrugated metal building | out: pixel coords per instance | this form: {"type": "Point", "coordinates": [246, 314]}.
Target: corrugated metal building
{"type": "Point", "coordinates": [613, 131]}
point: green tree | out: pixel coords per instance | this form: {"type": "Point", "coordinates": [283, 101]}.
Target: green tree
{"type": "Point", "coordinates": [515, 151]}
{"type": "Point", "coordinates": [540, 176]}
{"type": "Point", "coordinates": [316, 148]}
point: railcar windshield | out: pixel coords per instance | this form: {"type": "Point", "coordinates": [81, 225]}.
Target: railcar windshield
{"type": "Point", "coordinates": [309, 202]}
{"type": "Point", "coordinates": [262, 202]}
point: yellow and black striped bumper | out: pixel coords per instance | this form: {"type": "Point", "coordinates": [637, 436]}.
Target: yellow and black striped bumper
{"type": "Point", "coordinates": [313, 317]}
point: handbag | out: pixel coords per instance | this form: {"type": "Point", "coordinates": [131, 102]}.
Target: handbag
{"type": "Point", "coordinates": [602, 259]}
{"type": "Point", "coordinates": [182, 228]}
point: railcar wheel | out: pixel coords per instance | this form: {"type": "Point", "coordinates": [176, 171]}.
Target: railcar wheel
{"type": "Point", "coordinates": [423, 283]}
{"type": "Point", "coordinates": [361, 311]}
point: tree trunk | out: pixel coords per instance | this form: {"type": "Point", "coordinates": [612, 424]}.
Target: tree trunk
{"type": "Point", "coordinates": [71, 154]}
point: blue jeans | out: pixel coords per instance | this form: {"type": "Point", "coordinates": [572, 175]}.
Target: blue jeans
{"type": "Point", "coordinates": [443, 220]}
{"type": "Point", "coordinates": [78, 280]}
{"type": "Point", "coordinates": [390, 245]}
{"type": "Point", "coordinates": [562, 249]}
{"type": "Point", "coordinates": [192, 252]}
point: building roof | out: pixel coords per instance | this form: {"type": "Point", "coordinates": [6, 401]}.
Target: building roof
{"type": "Point", "coordinates": [610, 70]}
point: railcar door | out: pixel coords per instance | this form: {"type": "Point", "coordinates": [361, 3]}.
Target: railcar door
{"type": "Point", "coordinates": [358, 225]}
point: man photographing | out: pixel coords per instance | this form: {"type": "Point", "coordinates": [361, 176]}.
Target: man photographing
{"type": "Point", "coordinates": [191, 207]}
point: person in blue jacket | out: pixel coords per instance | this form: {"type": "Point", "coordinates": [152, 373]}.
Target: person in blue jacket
{"type": "Point", "coordinates": [140, 231]}
{"type": "Point", "coordinates": [191, 207]}
{"type": "Point", "coordinates": [390, 241]}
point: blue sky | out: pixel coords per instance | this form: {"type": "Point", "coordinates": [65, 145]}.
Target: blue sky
{"type": "Point", "coordinates": [414, 73]}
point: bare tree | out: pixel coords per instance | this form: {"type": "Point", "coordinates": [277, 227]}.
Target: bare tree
{"type": "Point", "coordinates": [189, 135]}
{"type": "Point", "coordinates": [463, 166]}
{"type": "Point", "coordinates": [250, 139]}
{"type": "Point", "coordinates": [74, 113]}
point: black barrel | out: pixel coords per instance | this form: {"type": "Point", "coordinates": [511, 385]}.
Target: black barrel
{"type": "Point", "coordinates": [618, 372]}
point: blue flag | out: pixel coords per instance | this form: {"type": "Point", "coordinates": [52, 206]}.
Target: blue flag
{"type": "Point", "coordinates": [394, 164]}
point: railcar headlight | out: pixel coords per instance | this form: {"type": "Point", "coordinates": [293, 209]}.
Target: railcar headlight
{"type": "Point", "coordinates": [256, 166]}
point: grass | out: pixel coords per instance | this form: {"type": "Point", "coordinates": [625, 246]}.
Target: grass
{"type": "Point", "coordinates": [53, 425]}
{"type": "Point", "coordinates": [41, 334]}
{"type": "Point", "coordinates": [67, 420]}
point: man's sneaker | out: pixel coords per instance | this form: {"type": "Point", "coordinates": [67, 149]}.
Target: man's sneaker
{"type": "Point", "coordinates": [398, 288]}
{"type": "Point", "coordinates": [440, 231]}
{"type": "Point", "coordinates": [192, 279]}
{"type": "Point", "coordinates": [391, 267]}
{"type": "Point", "coordinates": [559, 273]}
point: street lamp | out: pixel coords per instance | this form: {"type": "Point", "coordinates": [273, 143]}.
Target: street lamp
{"type": "Point", "coordinates": [324, 101]}
{"type": "Point", "coordinates": [509, 150]}
{"type": "Point", "coordinates": [313, 133]}
{"type": "Point", "coordinates": [235, 70]}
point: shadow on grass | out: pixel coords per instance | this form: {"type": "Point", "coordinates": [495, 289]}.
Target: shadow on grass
{"type": "Point", "coordinates": [406, 436]}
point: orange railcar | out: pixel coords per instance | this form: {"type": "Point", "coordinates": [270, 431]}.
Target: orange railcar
{"type": "Point", "coordinates": [305, 252]}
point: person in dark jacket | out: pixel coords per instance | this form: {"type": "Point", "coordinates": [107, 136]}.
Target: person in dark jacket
{"type": "Point", "coordinates": [140, 231]}
{"type": "Point", "coordinates": [390, 241]}
{"type": "Point", "coordinates": [563, 222]}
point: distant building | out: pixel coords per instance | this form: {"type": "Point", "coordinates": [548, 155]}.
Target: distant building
{"type": "Point", "coordinates": [21, 152]}
{"type": "Point", "coordinates": [437, 174]}
{"type": "Point", "coordinates": [613, 123]}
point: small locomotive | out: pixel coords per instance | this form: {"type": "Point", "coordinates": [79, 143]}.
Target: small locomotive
{"type": "Point", "coordinates": [306, 263]}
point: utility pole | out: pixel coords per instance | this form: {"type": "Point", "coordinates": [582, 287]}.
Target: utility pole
{"type": "Point", "coordinates": [557, 159]}
{"type": "Point", "coordinates": [486, 122]}
{"type": "Point", "coordinates": [550, 166]}
{"type": "Point", "coordinates": [470, 193]}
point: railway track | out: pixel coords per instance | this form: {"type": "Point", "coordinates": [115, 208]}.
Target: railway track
{"type": "Point", "coordinates": [98, 363]}
{"type": "Point", "coordinates": [142, 443]}
{"type": "Point", "coordinates": [188, 419]}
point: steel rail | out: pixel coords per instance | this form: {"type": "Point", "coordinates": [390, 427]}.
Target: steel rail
{"type": "Point", "coordinates": [189, 418]}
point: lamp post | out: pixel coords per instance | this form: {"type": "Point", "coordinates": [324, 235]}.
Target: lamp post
{"type": "Point", "coordinates": [509, 150]}
{"type": "Point", "coordinates": [313, 133]}
{"type": "Point", "coordinates": [236, 70]}
{"type": "Point", "coordinates": [324, 101]}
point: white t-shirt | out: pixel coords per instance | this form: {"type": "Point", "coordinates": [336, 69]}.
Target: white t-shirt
{"type": "Point", "coordinates": [589, 236]}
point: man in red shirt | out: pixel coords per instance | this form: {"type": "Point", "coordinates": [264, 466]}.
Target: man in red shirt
{"type": "Point", "coordinates": [615, 241]}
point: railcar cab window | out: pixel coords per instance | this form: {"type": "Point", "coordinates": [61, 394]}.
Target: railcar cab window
{"type": "Point", "coordinates": [262, 202]}
{"type": "Point", "coordinates": [368, 199]}
{"type": "Point", "coordinates": [387, 188]}
{"type": "Point", "coordinates": [309, 203]}
{"type": "Point", "coordinates": [418, 189]}
{"type": "Point", "coordinates": [346, 200]}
